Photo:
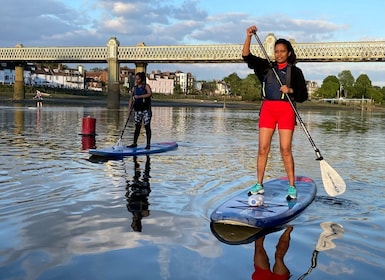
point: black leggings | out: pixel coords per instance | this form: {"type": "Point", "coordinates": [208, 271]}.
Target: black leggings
{"type": "Point", "coordinates": [137, 132]}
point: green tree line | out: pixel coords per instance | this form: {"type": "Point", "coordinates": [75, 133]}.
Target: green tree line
{"type": "Point", "coordinates": [347, 87]}
{"type": "Point", "coordinates": [332, 87]}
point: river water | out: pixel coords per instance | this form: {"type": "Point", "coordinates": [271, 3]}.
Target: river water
{"type": "Point", "coordinates": [66, 215]}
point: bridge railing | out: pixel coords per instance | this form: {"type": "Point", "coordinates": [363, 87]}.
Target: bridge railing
{"type": "Point", "coordinates": [357, 51]}
{"type": "Point", "coordinates": [49, 54]}
{"type": "Point", "coordinates": [306, 52]}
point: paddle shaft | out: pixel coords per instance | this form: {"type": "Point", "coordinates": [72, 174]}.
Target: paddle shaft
{"type": "Point", "coordinates": [313, 265]}
{"type": "Point", "coordinates": [125, 126]}
{"type": "Point", "coordinates": [317, 151]}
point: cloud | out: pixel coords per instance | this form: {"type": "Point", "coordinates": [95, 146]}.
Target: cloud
{"type": "Point", "coordinates": [174, 22]}
{"type": "Point", "coordinates": [120, 8]}
{"type": "Point", "coordinates": [189, 10]}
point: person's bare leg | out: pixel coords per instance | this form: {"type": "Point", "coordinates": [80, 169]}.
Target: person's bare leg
{"type": "Point", "coordinates": [264, 144]}
{"type": "Point", "coordinates": [285, 142]}
{"type": "Point", "coordinates": [260, 257]}
{"type": "Point", "coordinates": [280, 252]}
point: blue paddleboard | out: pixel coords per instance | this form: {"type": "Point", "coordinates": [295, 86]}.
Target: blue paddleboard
{"type": "Point", "coordinates": [124, 151]}
{"type": "Point", "coordinates": [275, 211]}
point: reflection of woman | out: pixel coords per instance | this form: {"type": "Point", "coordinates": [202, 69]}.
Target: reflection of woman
{"type": "Point", "coordinates": [261, 260]}
{"type": "Point", "coordinates": [137, 195]}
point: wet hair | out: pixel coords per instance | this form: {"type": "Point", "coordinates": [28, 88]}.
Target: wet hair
{"type": "Point", "coordinates": [292, 59]}
{"type": "Point", "coordinates": [142, 76]}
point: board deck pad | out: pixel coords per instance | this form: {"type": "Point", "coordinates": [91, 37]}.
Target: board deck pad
{"type": "Point", "coordinates": [124, 151]}
{"type": "Point", "coordinates": [275, 211]}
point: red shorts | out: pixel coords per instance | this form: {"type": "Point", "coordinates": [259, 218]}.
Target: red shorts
{"type": "Point", "coordinates": [264, 274]}
{"type": "Point", "coordinates": [275, 113]}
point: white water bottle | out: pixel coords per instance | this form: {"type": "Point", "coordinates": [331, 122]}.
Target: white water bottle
{"type": "Point", "coordinates": [256, 200]}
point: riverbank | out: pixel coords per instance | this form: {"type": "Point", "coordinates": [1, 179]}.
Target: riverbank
{"type": "Point", "coordinates": [101, 101]}
{"type": "Point", "coordinates": [308, 105]}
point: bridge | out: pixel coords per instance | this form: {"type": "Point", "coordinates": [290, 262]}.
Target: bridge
{"type": "Point", "coordinates": [141, 55]}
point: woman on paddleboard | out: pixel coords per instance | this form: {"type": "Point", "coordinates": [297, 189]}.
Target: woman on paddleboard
{"type": "Point", "coordinates": [140, 102]}
{"type": "Point", "coordinates": [276, 110]}
{"type": "Point", "coordinates": [39, 99]}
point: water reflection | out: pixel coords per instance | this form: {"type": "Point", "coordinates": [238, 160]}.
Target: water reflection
{"type": "Point", "coordinates": [137, 194]}
{"type": "Point", "coordinates": [325, 242]}
{"type": "Point", "coordinates": [38, 119]}
{"type": "Point", "coordinates": [237, 235]}
{"type": "Point", "coordinates": [47, 183]}
{"type": "Point", "coordinates": [88, 142]}
{"type": "Point", "coordinates": [19, 119]}
{"type": "Point", "coordinates": [262, 268]}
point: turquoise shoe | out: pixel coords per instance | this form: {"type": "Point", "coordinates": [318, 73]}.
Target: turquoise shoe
{"type": "Point", "coordinates": [256, 189]}
{"type": "Point", "coordinates": [291, 193]}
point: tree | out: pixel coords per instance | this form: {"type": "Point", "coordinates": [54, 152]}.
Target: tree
{"type": "Point", "coordinates": [362, 85]}
{"type": "Point", "coordinates": [250, 88]}
{"type": "Point", "coordinates": [208, 88]}
{"type": "Point", "coordinates": [382, 92]}
{"type": "Point", "coordinates": [234, 82]}
{"type": "Point", "coordinates": [346, 78]}
{"type": "Point", "coordinates": [346, 81]}
{"type": "Point", "coordinates": [177, 89]}
{"type": "Point", "coordinates": [329, 87]}
{"type": "Point", "coordinates": [375, 94]}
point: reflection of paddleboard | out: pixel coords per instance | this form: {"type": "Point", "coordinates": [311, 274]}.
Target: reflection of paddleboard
{"type": "Point", "coordinates": [275, 211]}
{"type": "Point", "coordinates": [237, 235]}
{"type": "Point", "coordinates": [123, 151]}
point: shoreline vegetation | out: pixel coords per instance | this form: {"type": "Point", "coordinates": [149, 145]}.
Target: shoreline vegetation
{"type": "Point", "coordinates": [173, 101]}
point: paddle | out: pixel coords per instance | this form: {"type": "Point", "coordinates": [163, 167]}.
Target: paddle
{"type": "Point", "coordinates": [119, 142]}
{"type": "Point", "coordinates": [333, 183]}
{"type": "Point", "coordinates": [330, 232]}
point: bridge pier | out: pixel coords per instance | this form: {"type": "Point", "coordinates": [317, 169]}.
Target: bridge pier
{"type": "Point", "coordinates": [140, 67]}
{"type": "Point", "coordinates": [113, 91]}
{"type": "Point", "coordinates": [18, 89]}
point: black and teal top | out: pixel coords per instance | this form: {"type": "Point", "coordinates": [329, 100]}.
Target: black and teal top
{"type": "Point", "coordinates": [271, 86]}
{"type": "Point", "coordinates": [141, 104]}
{"type": "Point", "coordinates": [266, 76]}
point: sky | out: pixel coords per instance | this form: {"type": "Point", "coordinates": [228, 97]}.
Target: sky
{"type": "Point", "coordinates": [49, 23]}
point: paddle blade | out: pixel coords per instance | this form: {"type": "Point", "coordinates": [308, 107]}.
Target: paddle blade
{"type": "Point", "coordinates": [333, 183]}
{"type": "Point", "coordinates": [330, 231]}
{"type": "Point", "coordinates": [119, 142]}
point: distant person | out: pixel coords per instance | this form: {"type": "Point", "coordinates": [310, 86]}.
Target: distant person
{"type": "Point", "coordinates": [276, 110]}
{"type": "Point", "coordinates": [262, 269]}
{"type": "Point", "coordinates": [137, 195]}
{"type": "Point", "coordinates": [39, 99]}
{"type": "Point", "coordinates": [140, 102]}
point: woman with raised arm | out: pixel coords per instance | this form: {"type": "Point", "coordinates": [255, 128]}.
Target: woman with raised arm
{"type": "Point", "coordinates": [276, 110]}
